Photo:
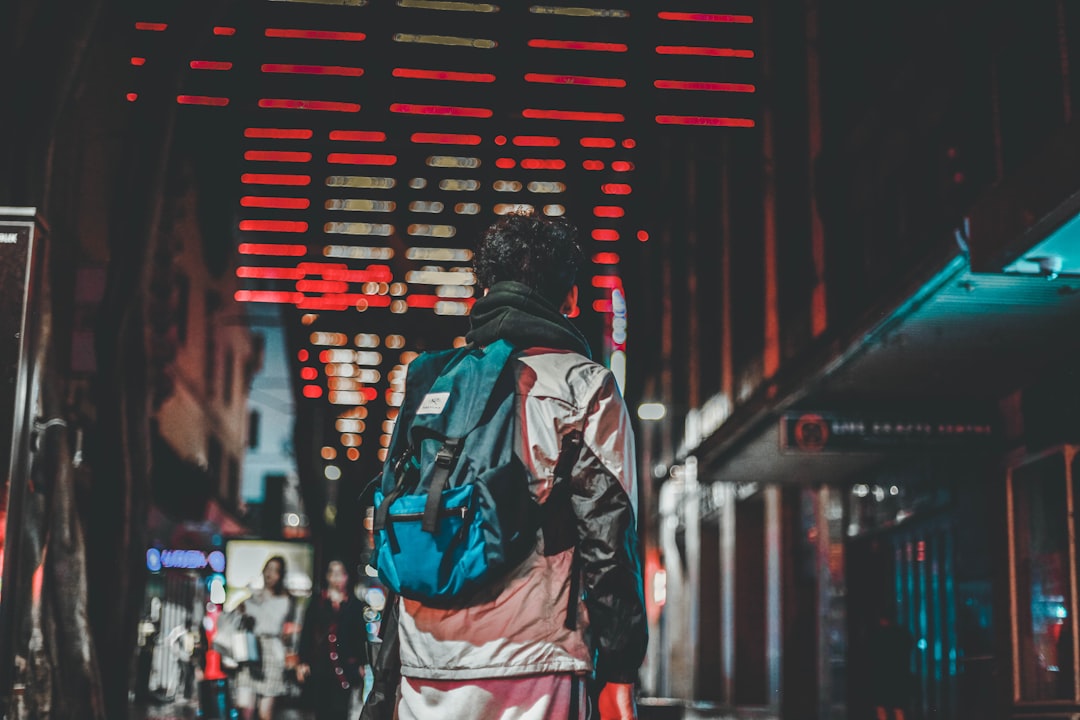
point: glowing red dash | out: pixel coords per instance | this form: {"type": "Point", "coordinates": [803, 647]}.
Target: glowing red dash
{"type": "Point", "coordinates": [642, 235]}
{"type": "Point", "coordinates": [629, 143]}
{"type": "Point", "coordinates": [153, 27]}
{"type": "Point", "coordinates": [606, 258]}
{"type": "Point", "coordinates": [277, 156]}
{"type": "Point", "coordinates": [709, 86]}
{"type": "Point", "coordinates": [601, 306]}
{"type": "Point", "coordinates": [267, 296]}
{"type": "Point", "coordinates": [622, 166]}
{"type": "Point", "coordinates": [313, 69]}
{"type": "Point", "coordinates": [445, 139]}
{"type": "Point", "coordinates": [285, 203]}
{"type": "Point", "coordinates": [592, 165]}
{"type": "Point", "coordinates": [500, 139]}
{"type": "Point", "coordinates": [604, 235]}
{"type": "Point", "coordinates": [315, 34]}
{"type": "Point", "coordinates": [272, 250]}
{"type": "Point", "coordinates": [374, 273]}
{"type": "Point", "coordinates": [282, 226]}
{"type": "Point", "coordinates": [138, 61]}
{"type": "Point", "coordinates": [221, 30]}
{"type": "Point", "coordinates": [302, 355]}
{"type": "Point", "coordinates": [312, 391]}
{"type": "Point", "coordinates": [575, 80]}
{"type": "Point", "coordinates": [443, 75]}
{"type": "Point", "coordinates": [615, 189]}
{"type": "Point", "coordinates": [358, 135]}
{"type": "Point", "coordinates": [597, 142]}
{"type": "Point", "coordinates": [704, 121]}
{"type": "Point", "coordinates": [321, 286]}
{"type": "Point", "coordinates": [609, 211]}
{"type": "Point", "coordinates": [371, 393]}
{"type": "Point", "coordinates": [607, 281]}
{"type": "Point", "coordinates": [703, 51]}
{"type": "Point", "coordinates": [202, 100]}
{"type": "Point", "coordinates": [571, 115]}
{"type": "Point", "coordinates": [269, 273]}
{"type": "Point", "coordinates": [361, 159]}
{"type": "Point", "coordinates": [132, 97]}
{"type": "Point", "coordinates": [542, 164]}
{"type": "Point", "coordinates": [274, 179]}
{"type": "Point", "coordinates": [505, 163]}
{"type": "Point", "coordinates": [278, 133]}
{"type": "Point", "coordinates": [440, 110]}
{"type": "Point", "coordinates": [536, 141]}
{"type": "Point", "coordinates": [577, 45]}
{"type": "Point", "coordinates": [705, 17]}
{"type": "Point", "coordinates": [422, 301]}
{"type": "Point", "coordinates": [308, 373]}
{"type": "Point", "coordinates": [284, 104]}
{"type": "Point", "coordinates": [209, 65]}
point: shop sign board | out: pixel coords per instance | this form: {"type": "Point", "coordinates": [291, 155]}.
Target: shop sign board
{"type": "Point", "coordinates": [822, 432]}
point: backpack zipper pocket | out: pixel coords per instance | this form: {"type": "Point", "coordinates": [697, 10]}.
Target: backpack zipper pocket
{"type": "Point", "coordinates": [444, 512]}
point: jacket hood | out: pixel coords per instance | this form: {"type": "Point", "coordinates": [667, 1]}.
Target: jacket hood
{"type": "Point", "coordinates": [518, 314]}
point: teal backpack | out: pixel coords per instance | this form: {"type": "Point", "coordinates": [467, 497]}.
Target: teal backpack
{"type": "Point", "coordinates": [453, 508]}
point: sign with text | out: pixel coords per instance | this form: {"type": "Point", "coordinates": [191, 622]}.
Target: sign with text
{"type": "Point", "coordinates": [813, 432]}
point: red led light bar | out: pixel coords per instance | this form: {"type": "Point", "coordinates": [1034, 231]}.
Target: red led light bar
{"type": "Point", "coordinates": [278, 133]}
{"type": "Point", "coordinates": [601, 306]}
{"type": "Point", "coordinates": [542, 164]}
{"type": "Point", "coordinates": [358, 135]}
{"type": "Point", "coordinates": [284, 104]}
{"type": "Point", "coordinates": [308, 373]}
{"type": "Point", "coordinates": [607, 281]}
{"type": "Point", "coordinates": [132, 97]}
{"type": "Point", "coordinates": [202, 100]}
{"type": "Point", "coordinates": [704, 51]}
{"type": "Point", "coordinates": [153, 27]}
{"type": "Point", "coordinates": [505, 163]}
{"type": "Point", "coordinates": [221, 30]}
{"type": "Point", "coordinates": [615, 189]}
{"type": "Point", "coordinates": [709, 86]}
{"type": "Point", "coordinates": [312, 69]}
{"type": "Point", "coordinates": [315, 34]}
{"type": "Point", "coordinates": [536, 141]}
{"type": "Point", "coordinates": [575, 80]}
{"type": "Point", "coordinates": [577, 45]}
{"type": "Point", "coordinates": [422, 301]}
{"type": "Point", "coordinates": [272, 250]}
{"type": "Point", "coordinates": [705, 17]}
{"type": "Point", "coordinates": [277, 156]}
{"type": "Point", "coordinates": [454, 110]}
{"type": "Point", "coordinates": [281, 226]}
{"type": "Point", "coordinates": [572, 115]}
{"type": "Point", "coordinates": [592, 165]}
{"type": "Point", "coordinates": [606, 258]}
{"type": "Point", "coordinates": [608, 211]}
{"type": "Point", "coordinates": [342, 301]}
{"type": "Point", "coordinates": [622, 166]}
{"type": "Point", "coordinates": [285, 203]}
{"type": "Point", "coordinates": [312, 391]}
{"type": "Point", "coordinates": [138, 61]}
{"type": "Point", "coordinates": [209, 65]}
{"type": "Point", "coordinates": [445, 139]}
{"type": "Point", "coordinates": [704, 121]}
{"type": "Point", "coordinates": [443, 75]}
{"type": "Point", "coordinates": [274, 179]}
{"type": "Point", "coordinates": [269, 296]}
{"type": "Point", "coordinates": [322, 286]}
{"type": "Point", "coordinates": [629, 143]}
{"type": "Point", "coordinates": [642, 235]}
{"type": "Point", "coordinates": [597, 142]}
{"type": "Point", "coordinates": [269, 273]}
{"type": "Point", "coordinates": [302, 355]}
{"type": "Point", "coordinates": [374, 273]}
{"type": "Point", "coordinates": [605, 235]}
{"type": "Point", "coordinates": [361, 159]}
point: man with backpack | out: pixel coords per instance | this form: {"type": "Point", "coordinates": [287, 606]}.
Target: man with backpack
{"type": "Point", "coordinates": [505, 519]}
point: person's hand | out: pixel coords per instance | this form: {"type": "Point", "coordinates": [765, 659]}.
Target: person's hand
{"type": "Point", "coordinates": [302, 672]}
{"type": "Point", "coordinates": [616, 702]}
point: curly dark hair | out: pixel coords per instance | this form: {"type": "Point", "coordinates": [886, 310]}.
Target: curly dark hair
{"type": "Point", "coordinates": [537, 251]}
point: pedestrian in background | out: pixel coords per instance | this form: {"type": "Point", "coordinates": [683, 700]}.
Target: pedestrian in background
{"type": "Point", "coordinates": [270, 613]}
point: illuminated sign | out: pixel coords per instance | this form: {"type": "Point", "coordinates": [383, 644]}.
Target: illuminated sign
{"type": "Point", "coordinates": [811, 432]}
{"type": "Point", "coordinates": [171, 559]}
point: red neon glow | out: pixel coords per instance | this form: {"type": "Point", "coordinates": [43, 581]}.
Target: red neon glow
{"type": "Point", "coordinates": [358, 135]}
{"type": "Point", "coordinates": [577, 45]}
{"type": "Point", "coordinates": [315, 34]}
{"type": "Point", "coordinates": [312, 69]}
{"type": "Point", "coordinates": [221, 30]}
{"type": "Point", "coordinates": [605, 235]}
{"type": "Point", "coordinates": [308, 373]}
{"type": "Point", "coordinates": [704, 121]}
{"type": "Point", "coordinates": [704, 51]}
{"type": "Point", "coordinates": [322, 286]}
{"type": "Point", "coordinates": [542, 164]}
{"type": "Point", "coordinates": [282, 226]}
{"type": "Point", "coordinates": [443, 75]}
{"type": "Point", "coordinates": [267, 296]}
{"type": "Point", "coordinates": [453, 110]}
{"type": "Point", "coordinates": [284, 104]}
{"type": "Point", "coordinates": [202, 100]}
{"type": "Point", "coordinates": [342, 301]}
{"type": "Point", "coordinates": [500, 139]}
{"type": "Point", "coordinates": [607, 281]}
{"type": "Point", "coordinates": [132, 97]}
{"type": "Point", "coordinates": [575, 80]}
{"type": "Point", "coordinates": [536, 141]}
{"type": "Point", "coordinates": [615, 189]}
{"type": "Point", "coordinates": [274, 179]}
{"type": "Point", "coordinates": [609, 211]}
{"type": "Point", "coordinates": [138, 61]}
{"type": "Point", "coordinates": [597, 142]}
{"type": "Point", "coordinates": [277, 156]}
{"type": "Point", "coordinates": [708, 86]}
{"type": "Point", "coordinates": [606, 258]}
{"type": "Point", "coordinates": [361, 159]}
{"type": "Point", "coordinates": [572, 115]}
{"type": "Point", "coordinates": [269, 273]}
{"type": "Point", "coordinates": [371, 393]}
{"type": "Point", "coordinates": [312, 391]}
{"type": "Point", "coordinates": [642, 235]}
{"type": "Point", "coordinates": [629, 143]}
{"type": "Point", "coordinates": [209, 65]}
{"type": "Point", "coordinates": [302, 355]}
{"type": "Point", "coordinates": [593, 165]}
{"type": "Point", "coordinates": [153, 27]}
{"type": "Point", "coordinates": [278, 133]}
{"type": "Point", "coordinates": [705, 17]}
{"type": "Point", "coordinates": [374, 273]}
{"type": "Point", "coordinates": [422, 301]}
{"type": "Point", "coordinates": [505, 163]}
{"type": "Point", "coordinates": [601, 306]}
{"type": "Point", "coordinates": [622, 166]}
{"type": "Point", "coordinates": [272, 249]}
{"type": "Point", "coordinates": [445, 139]}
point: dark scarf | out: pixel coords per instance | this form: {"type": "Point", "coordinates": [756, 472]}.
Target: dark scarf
{"type": "Point", "coordinates": [516, 313]}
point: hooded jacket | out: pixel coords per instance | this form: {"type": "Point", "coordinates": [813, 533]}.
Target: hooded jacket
{"type": "Point", "coordinates": [523, 630]}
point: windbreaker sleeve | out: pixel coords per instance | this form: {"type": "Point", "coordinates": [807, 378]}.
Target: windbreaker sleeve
{"type": "Point", "coordinates": [605, 508]}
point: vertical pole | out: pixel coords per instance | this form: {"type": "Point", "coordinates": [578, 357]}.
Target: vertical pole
{"type": "Point", "coordinates": [692, 509]}
{"type": "Point", "coordinates": [727, 590]}
{"type": "Point", "coordinates": [768, 160]}
{"type": "Point", "coordinates": [824, 598]}
{"type": "Point", "coordinates": [773, 590]}
{"type": "Point", "coordinates": [819, 318]}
